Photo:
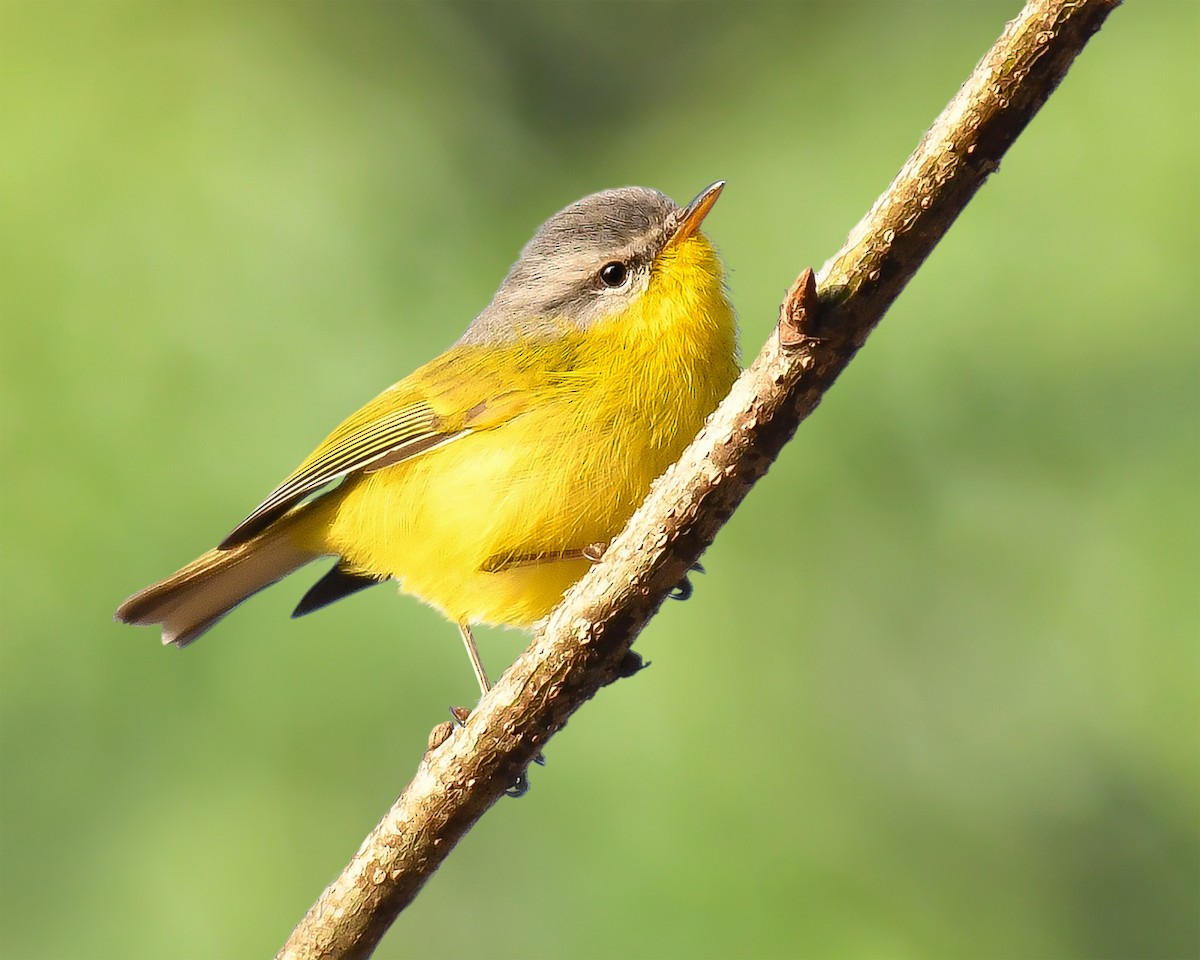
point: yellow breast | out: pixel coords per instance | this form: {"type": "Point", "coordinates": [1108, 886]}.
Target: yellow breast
{"type": "Point", "coordinates": [478, 527]}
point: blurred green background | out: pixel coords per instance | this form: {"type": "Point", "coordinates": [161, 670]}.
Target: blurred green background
{"type": "Point", "coordinates": [937, 695]}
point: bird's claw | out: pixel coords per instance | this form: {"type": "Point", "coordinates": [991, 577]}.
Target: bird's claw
{"type": "Point", "coordinates": [520, 786]}
{"type": "Point", "coordinates": [683, 589]}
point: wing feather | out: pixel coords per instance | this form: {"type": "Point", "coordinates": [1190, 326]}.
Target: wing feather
{"type": "Point", "coordinates": [378, 435]}
{"type": "Point", "coordinates": [449, 398]}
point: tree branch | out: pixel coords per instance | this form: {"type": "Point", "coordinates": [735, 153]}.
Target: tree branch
{"type": "Point", "coordinates": [585, 643]}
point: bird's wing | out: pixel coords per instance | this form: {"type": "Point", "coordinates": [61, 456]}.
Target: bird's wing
{"type": "Point", "coordinates": [380, 431]}
{"type": "Point", "coordinates": [444, 401]}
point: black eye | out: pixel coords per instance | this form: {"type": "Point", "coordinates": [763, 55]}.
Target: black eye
{"type": "Point", "coordinates": [613, 274]}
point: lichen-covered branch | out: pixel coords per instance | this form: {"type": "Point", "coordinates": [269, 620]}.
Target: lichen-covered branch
{"type": "Point", "coordinates": [585, 644]}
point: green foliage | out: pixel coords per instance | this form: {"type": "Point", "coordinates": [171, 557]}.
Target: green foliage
{"type": "Point", "coordinates": [935, 697]}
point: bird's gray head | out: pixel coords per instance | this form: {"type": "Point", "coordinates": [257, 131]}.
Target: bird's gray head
{"type": "Point", "coordinates": [586, 262]}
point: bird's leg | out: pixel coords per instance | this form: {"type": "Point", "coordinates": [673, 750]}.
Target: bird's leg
{"type": "Point", "coordinates": [520, 786]}
{"type": "Point", "coordinates": [476, 664]}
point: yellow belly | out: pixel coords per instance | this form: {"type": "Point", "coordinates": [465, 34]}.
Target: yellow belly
{"type": "Point", "coordinates": [474, 527]}
{"type": "Point", "coordinates": [463, 525]}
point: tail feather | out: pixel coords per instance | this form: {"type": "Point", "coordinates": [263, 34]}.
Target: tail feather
{"type": "Point", "coordinates": [190, 601]}
{"type": "Point", "coordinates": [339, 582]}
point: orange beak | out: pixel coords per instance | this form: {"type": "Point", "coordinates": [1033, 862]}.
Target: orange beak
{"type": "Point", "coordinates": [691, 218]}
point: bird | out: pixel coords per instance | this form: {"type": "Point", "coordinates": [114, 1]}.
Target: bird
{"type": "Point", "coordinates": [488, 480]}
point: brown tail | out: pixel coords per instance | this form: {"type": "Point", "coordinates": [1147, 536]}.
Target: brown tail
{"type": "Point", "coordinates": [190, 601]}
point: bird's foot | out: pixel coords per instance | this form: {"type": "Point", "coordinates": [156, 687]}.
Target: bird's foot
{"type": "Point", "coordinates": [683, 589]}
